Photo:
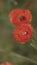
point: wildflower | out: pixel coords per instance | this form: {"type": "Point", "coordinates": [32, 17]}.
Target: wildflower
{"type": "Point", "coordinates": [19, 16]}
{"type": "Point", "coordinates": [1, 4]}
{"type": "Point", "coordinates": [6, 63]}
{"type": "Point", "coordinates": [23, 33]}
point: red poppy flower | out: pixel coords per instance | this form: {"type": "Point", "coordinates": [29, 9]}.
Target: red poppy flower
{"type": "Point", "coordinates": [24, 33]}
{"type": "Point", "coordinates": [6, 63]}
{"type": "Point", "coordinates": [18, 16]}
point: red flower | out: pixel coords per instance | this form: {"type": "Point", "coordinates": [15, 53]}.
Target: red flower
{"type": "Point", "coordinates": [6, 63]}
{"type": "Point", "coordinates": [24, 33]}
{"type": "Point", "coordinates": [18, 16]}
{"type": "Point", "coordinates": [1, 4]}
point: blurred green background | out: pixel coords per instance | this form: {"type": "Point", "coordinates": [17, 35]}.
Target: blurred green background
{"type": "Point", "coordinates": [10, 49]}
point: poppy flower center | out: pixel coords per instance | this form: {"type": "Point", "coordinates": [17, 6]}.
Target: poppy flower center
{"type": "Point", "coordinates": [22, 18]}
{"type": "Point", "coordinates": [25, 33]}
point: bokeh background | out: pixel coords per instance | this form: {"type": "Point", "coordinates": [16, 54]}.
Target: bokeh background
{"type": "Point", "coordinates": [10, 49]}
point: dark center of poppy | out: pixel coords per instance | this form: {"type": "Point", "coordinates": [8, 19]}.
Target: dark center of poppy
{"type": "Point", "coordinates": [25, 33]}
{"type": "Point", "coordinates": [22, 18]}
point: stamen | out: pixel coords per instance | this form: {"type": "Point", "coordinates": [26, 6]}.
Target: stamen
{"type": "Point", "coordinates": [22, 18]}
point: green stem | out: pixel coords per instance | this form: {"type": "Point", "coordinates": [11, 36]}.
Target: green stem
{"type": "Point", "coordinates": [18, 58]}
{"type": "Point", "coordinates": [34, 45]}
{"type": "Point", "coordinates": [22, 58]}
